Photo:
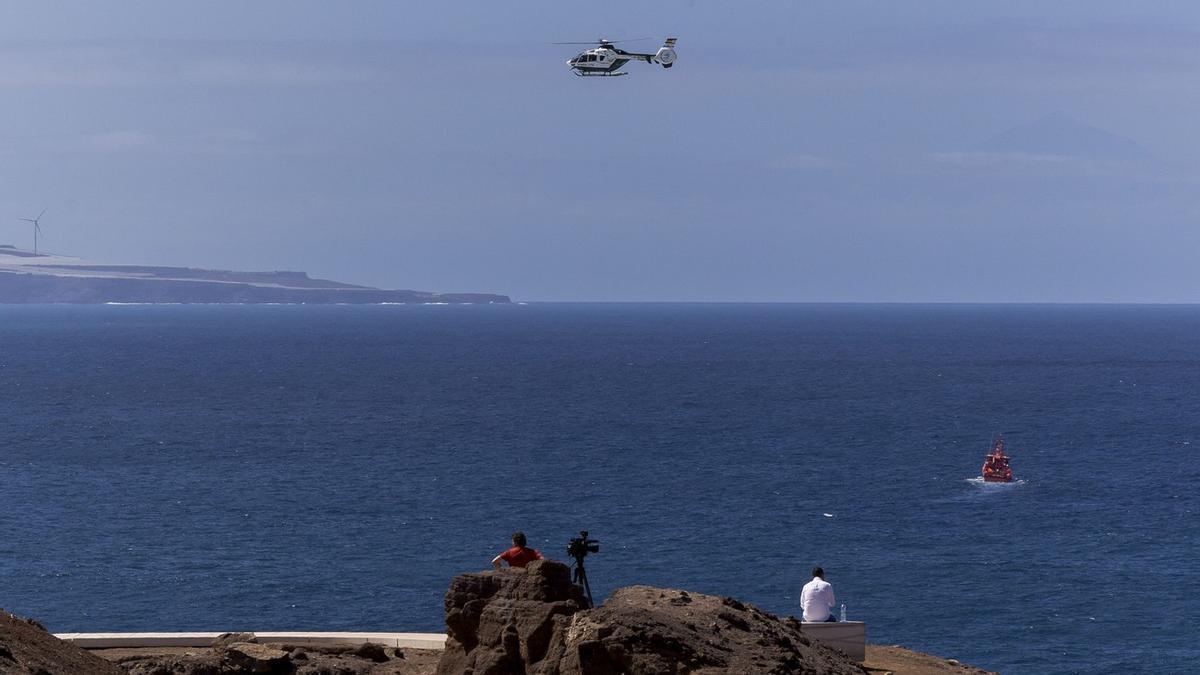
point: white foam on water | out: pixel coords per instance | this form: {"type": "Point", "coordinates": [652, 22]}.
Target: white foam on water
{"type": "Point", "coordinates": [980, 482]}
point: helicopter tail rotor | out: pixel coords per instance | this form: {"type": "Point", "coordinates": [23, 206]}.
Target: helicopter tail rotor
{"type": "Point", "coordinates": [666, 53]}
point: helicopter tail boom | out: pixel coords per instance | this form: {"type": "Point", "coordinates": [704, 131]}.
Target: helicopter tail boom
{"type": "Point", "coordinates": [665, 55]}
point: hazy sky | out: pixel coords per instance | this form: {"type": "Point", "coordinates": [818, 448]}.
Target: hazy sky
{"type": "Point", "coordinates": [852, 151]}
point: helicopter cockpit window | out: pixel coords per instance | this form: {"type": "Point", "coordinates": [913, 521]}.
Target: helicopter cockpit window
{"type": "Point", "coordinates": [591, 57]}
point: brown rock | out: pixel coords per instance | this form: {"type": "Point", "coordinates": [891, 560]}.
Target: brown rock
{"type": "Point", "coordinates": [225, 639]}
{"type": "Point", "coordinates": [26, 647]}
{"type": "Point", "coordinates": [503, 621]}
{"type": "Point", "coordinates": [248, 657]}
{"type": "Point", "coordinates": [896, 659]}
{"type": "Point", "coordinates": [336, 666]}
{"type": "Point", "coordinates": [238, 658]}
{"type": "Point", "coordinates": [510, 622]}
{"type": "Point", "coordinates": [651, 630]}
{"type": "Point", "coordinates": [371, 652]}
{"type": "Point", "coordinates": [207, 664]}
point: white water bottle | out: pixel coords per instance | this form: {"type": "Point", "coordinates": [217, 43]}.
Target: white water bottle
{"type": "Point", "coordinates": [843, 612]}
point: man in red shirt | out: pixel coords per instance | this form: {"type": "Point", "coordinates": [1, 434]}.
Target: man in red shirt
{"type": "Point", "coordinates": [519, 555]}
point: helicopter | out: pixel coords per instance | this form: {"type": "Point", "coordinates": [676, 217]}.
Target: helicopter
{"type": "Point", "coordinates": [605, 60]}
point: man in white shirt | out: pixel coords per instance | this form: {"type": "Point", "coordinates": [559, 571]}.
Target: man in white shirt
{"type": "Point", "coordinates": [817, 598]}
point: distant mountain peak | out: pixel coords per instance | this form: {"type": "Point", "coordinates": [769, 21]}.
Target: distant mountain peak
{"type": "Point", "coordinates": [1061, 135]}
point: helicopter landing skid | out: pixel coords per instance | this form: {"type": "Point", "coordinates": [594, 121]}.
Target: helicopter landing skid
{"type": "Point", "coordinates": [581, 74]}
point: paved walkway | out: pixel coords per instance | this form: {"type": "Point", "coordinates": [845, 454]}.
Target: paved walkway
{"type": "Point", "coordinates": [131, 640]}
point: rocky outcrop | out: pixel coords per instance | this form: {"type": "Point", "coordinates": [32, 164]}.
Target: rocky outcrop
{"type": "Point", "coordinates": [240, 653]}
{"type": "Point", "coordinates": [641, 629]}
{"type": "Point", "coordinates": [503, 621]}
{"type": "Point", "coordinates": [26, 647]}
{"type": "Point", "coordinates": [533, 621]}
{"type": "Point", "coordinates": [249, 657]}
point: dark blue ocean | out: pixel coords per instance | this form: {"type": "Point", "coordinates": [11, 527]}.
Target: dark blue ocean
{"type": "Point", "coordinates": [332, 467]}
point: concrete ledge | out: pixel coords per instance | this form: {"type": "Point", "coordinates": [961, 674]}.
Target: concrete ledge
{"type": "Point", "coordinates": [109, 640]}
{"type": "Point", "coordinates": [435, 641]}
{"type": "Point", "coordinates": [411, 640]}
{"type": "Point", "coordinates": [848, 637]}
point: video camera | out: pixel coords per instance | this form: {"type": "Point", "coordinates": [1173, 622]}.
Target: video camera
{"type": "Point", "coordinates": [580, 546]}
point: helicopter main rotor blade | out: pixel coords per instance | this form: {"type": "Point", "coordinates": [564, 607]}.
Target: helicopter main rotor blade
{"type": "Point", "coordinates": [602, 41]}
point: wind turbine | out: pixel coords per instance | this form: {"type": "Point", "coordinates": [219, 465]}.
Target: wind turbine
{"type": "Point", "coordinates": [37, 229]}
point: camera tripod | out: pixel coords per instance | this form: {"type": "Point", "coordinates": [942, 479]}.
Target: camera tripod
{"type": "Point", "coordinates": [580, 577]}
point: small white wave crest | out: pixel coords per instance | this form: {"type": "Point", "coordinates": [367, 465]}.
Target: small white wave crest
{"type": "Point", "coordinates": [980, 482]}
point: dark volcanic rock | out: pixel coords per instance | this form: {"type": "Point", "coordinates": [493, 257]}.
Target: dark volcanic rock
{"type": "Point", "coordinates": [368, 650]}
{"type": "Point", "coordinates": [249, 657]}
{"type": "Point", "coordinates": [503, 621]}
{"type": "Point", "coordinates": [205, 664]}
{"type": "Point", "coordinates": [531, 621]}
{"type": "Point", "coordinates": [240, 653]}
{"type": "Point", "coordinates": [652, 630]}
{"type": "Point", "coordinates": [26, 647]}
{"type": "Point", "coordinates": [225, 639]}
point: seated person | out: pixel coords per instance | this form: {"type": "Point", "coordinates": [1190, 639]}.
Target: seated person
{"type": "Point", "coordinates": [519, 555]}
{"type": "Point", "coordinates": [817, 598]}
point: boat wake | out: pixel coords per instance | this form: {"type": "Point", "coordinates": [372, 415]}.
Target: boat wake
{"type": "Point", "coordinates": [980, 482]}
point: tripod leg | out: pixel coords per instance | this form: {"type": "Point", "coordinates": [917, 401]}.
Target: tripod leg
{"type": "Point", "coordinates": [579, 577]}
{"type": "Point", "coordinates": [586, 588]}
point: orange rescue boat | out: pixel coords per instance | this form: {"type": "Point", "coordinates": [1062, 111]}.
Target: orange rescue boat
{"type": "Point", "coordinates": [995, 464]}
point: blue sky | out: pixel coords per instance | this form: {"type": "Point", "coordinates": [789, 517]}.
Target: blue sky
{"type": "Point", "coordinates": [935, 151]}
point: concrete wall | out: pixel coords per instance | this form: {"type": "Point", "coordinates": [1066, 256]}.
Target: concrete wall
{"type": "Point", "coordinates": [849, 637]}
{"type": "Point", "coordinates": [130, 640]}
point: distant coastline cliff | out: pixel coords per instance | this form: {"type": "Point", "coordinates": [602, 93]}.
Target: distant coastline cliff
{"type": "Point", "coordinates": [46, 278]}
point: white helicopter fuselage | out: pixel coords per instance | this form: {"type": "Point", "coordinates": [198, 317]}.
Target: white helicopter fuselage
{"type": "Point", "coordinates": [607, 59]}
